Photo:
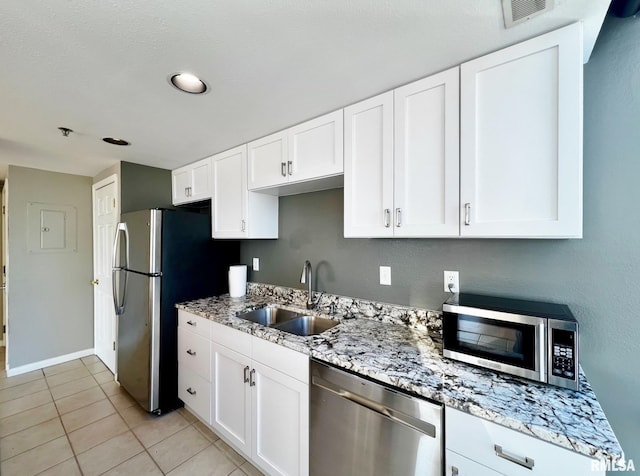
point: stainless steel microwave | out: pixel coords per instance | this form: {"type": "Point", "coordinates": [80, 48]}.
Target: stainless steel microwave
{"type": "Point", "coordinates": [530, 339]}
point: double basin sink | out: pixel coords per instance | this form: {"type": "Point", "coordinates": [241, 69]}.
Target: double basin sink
{"type": "Point", "coordinates": [288, 321]}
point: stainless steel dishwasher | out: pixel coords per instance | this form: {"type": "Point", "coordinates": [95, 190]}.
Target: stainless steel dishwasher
{"type": "Point", "coordinates": [359, 427]}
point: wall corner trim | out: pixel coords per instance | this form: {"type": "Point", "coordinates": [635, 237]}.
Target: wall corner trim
{"type": "Point", "coordinates": [48, 362]}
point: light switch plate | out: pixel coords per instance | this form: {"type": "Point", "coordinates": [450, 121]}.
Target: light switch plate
{"type": "Point", "coordinates": [256, 264]}
{"type": "Point", "coordinates": [385, 275]}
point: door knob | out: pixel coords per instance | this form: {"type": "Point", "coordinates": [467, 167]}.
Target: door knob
{"type": "Point", "coordinates": [95, 282]}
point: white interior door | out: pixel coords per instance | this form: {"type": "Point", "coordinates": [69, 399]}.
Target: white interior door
{"type": "Point", "coordinates": [105, 220]}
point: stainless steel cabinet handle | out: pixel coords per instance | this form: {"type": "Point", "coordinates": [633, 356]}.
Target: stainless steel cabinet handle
{"type": "Point", "coordinates": [290, 167]}
{"type": "Point", "coordinates": [190, 391]}
{"type": "Point", "coordinates": [252, 380]}
{"type": "Point", "coordinates": [243, 226]}
{"type": "Point", "coordinates": [283, 169]}
{"type": "Point", "coordinates": [191, 352]}
{"type": "Point", "coordinates": [454, 471]}
{"type": "Point", "coordinates": [387, 218]}
{"type": "Point", "coordinates": [246, 374]}
{"type": "Point", "coordinates": [191, 323]}
{"type": "Point", "coordinates": [398, 217]}
{"type": "Point", "coordinates": [526, 462]}
{"type": "Point", "coordinates": [467, 214]}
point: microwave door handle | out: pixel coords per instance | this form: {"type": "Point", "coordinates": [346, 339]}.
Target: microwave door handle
{"type": "Point", "coordinates": [542, 350]}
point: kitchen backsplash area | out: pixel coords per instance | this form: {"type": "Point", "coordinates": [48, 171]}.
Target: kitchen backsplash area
{"type": "Point", "coordinates": [417, 318]}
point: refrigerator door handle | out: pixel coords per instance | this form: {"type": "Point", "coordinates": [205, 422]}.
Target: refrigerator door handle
{"type": "Point", "coordinates": [119, 304]}
{"type": "Point", "coordinates": [122, 228]}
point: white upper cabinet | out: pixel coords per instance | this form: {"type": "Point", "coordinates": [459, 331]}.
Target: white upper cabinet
{"type": "Point", "coordinates": [401, 163]}
{"type": "Point", "coordinates": [521, 140]}
{"type": "Point", "coordinates": [268, 161]}
{"type": "Point", "coordinates": [316, 148]}
{"type": "Point", "coordinates": [426, 160]}
{"type": "Point", "coordinates": [191, 183]}
{"type": "Point", "coordinates": [368, 168]}
{"type": "Point", "coordinates": [229, 205]}
{"type": "Point", "coordinates": [236, 212]}
{"type": "Point", "coordinates": [308, 151]}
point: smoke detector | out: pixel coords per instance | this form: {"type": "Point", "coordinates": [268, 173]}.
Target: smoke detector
{"type": "Point", "coordinates": [519, 11]}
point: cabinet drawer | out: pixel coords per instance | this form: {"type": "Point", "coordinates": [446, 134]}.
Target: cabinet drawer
{"type": "Point", "coordinates": [195, 392]}
{"type": "Point", "coordinates": [458, 465]}
{"type": "Point", "coordinates": [194, 323]}
{"type": "Point", "coordinates": [482, 441]}
{"type": "Point", "coordinates": [194, 353]}
{"type": "Point", "coordinates": [287, 361]}
{"type": "Point", "coordinates": [232, 338]}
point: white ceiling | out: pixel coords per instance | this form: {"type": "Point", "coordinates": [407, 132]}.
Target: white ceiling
{"type": "Point", "coordinates": [101, 68]}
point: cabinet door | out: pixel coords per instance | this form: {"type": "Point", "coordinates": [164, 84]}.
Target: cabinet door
{"type": "Point", "coordinates": [508, 451]}
{"type": "Point", "coordinates": [229, 205]}
{"type": "Point", "coordinates": [521, 139]}
{"type": "Point", "coordinates": [180, 183]}
{"type": "Point", "coordinates": [268, 161]}
{"type": "Point", "coordinates": [316, 148]}
{"type": "Point", "coordinates": [280, 423]}
{"type": "Point", "coordinates": [368, 168]}
{"type": "Point", "coordinates": [460, 466]}
{"type": "Point", "coordinates": [231, 396]}
{"type": "Point", "coordinates": [200, 180]}
{"type": "Point", "coordinates": [426, 162]}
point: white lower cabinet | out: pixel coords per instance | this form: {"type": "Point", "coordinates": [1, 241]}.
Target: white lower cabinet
{"type": "Point", "coordinates": [231, 403]}
{"type": "Point", "coordinates": [194, 360]}
{"type": "Point", "coordinates": [505, 451]}
{"type": "Point", "coordinates": [458, 465]}
{"type": "Point", "coordinates": [260, 401]}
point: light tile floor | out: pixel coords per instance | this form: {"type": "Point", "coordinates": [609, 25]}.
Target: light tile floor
{"type": "Point", "coordinates": [73, 419]}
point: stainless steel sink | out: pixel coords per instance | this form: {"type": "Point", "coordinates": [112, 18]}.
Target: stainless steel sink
{"type": "Point", "coordinates": [269, 315]}
{"type": "Point", "coordinates": [285, 320]}
{"type": "Point", "coordinates": [306, 325]}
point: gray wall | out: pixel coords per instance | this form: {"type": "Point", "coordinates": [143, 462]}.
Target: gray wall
{"type": "Point", "coordinates": [140, 186]}
{"type": "Point", "coordinates": [144, 187]}
{"type": "Point", "coordinates": [598, 276]}
{"type": "Point", "coordinates": [50, 295]}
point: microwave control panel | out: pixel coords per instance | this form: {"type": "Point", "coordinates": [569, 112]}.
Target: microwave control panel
{"type": "Point", "coordinates": [564, 354]}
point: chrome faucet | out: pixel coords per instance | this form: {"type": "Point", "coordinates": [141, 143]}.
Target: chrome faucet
{"type": "Point", "coordinates": [307, 277]}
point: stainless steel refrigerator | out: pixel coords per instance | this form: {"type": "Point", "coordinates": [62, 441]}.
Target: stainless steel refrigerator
{"type": "Point", "coordinates": [161, 257]}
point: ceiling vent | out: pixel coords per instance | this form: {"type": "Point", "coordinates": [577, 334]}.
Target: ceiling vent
{"type": "Point", "coordinates": [518, 11]}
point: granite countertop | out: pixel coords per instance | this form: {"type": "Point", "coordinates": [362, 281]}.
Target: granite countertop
{"type": "Point", "coordinates": [401, 348]}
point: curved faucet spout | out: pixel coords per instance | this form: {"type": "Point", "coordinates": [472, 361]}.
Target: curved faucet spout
{"type": "Point", "coordinates": [307, 278]}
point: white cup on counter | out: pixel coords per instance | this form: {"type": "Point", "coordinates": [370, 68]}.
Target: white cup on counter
{"type": "Point", "coordinates": [238, 280]}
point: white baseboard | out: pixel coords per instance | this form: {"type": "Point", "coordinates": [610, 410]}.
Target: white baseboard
{"type": "Point", "coordinates": [61, 359]}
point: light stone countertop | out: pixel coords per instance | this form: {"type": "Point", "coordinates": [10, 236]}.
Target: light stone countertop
{"type": "Point", "coordinates": [400, 346]}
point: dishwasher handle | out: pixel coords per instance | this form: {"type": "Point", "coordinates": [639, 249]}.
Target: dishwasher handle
{"type": "Point", "coordinates": [418, 425]}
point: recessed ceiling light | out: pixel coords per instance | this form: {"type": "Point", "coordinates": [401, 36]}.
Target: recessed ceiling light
{"type": "Point", "coordinates": [188, 83]}
{"type": "Point", "coordinates": [114, 141]}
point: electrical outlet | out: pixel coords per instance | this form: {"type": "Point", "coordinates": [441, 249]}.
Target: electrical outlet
{"type": "Point", "coordinates": [256, 264]}
{"type": "Point", "coordinates": [453, 278]}
{"type": "Point", "coordinates": [385, 275]}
